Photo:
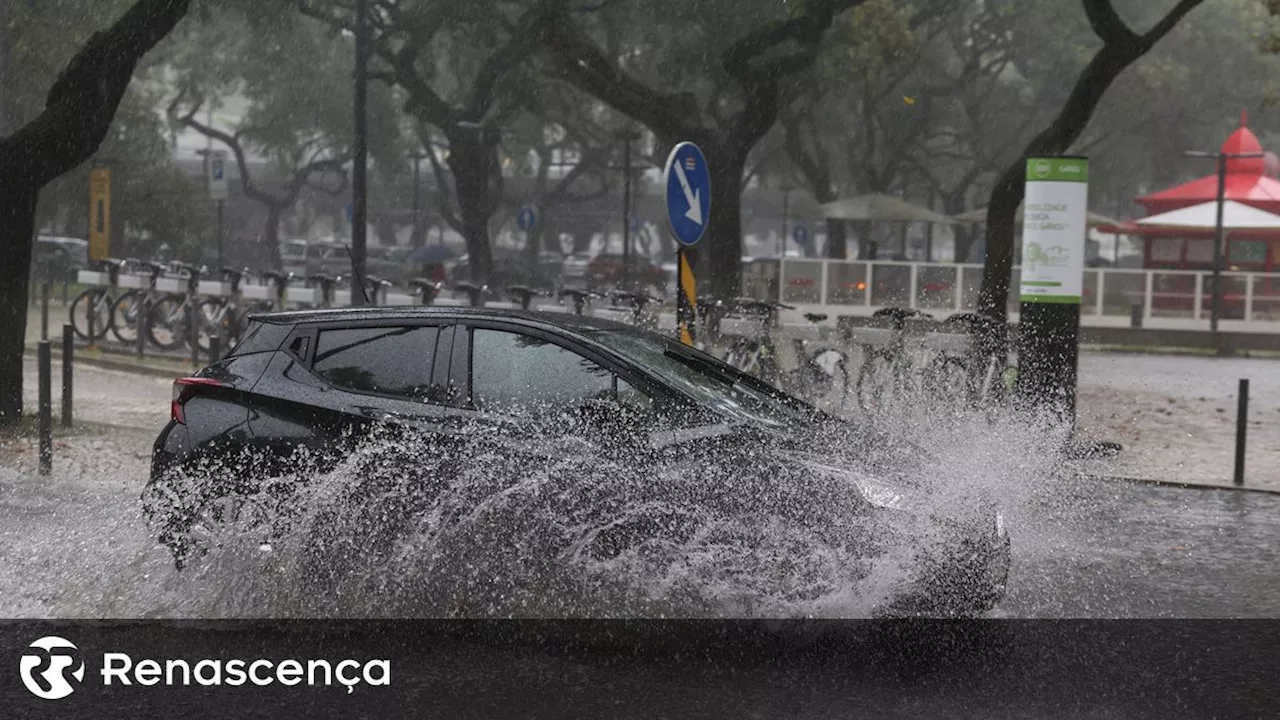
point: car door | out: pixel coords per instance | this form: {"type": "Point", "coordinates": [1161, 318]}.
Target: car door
{"type": "Point", "coordinates": [518, 384]}
{"type": "Point", "coordinates": [336, 383]}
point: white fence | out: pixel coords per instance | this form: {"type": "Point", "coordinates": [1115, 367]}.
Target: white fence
{"type": "Point", "coordinates": [1166, 299]}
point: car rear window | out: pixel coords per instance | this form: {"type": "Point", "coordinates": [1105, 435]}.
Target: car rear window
{"type": "Point", "coordinates": [384, 360]}
{"type": "Point", "coordinates": [261, 337]}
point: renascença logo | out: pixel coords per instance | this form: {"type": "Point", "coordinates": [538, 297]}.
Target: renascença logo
{"type": "Point", "coordinates": [48, 665]}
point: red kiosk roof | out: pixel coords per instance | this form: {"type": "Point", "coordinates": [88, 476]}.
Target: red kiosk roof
{"type": "Point", "coordinates": [1247, 180]}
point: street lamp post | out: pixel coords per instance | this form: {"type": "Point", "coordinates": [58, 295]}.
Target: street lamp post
{"type": "Point", "coordinates": [1216, 303]}
{"type": "Point", "coordinates": [360, 155]}
{"type": "Point", "coordinates": [415, 237]}
{"type": "Point", "coordinates": [627, 136]}
{"type": "Point", "coordinates": [786, 217]}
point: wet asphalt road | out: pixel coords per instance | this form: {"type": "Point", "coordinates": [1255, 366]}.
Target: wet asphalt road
{"type": "Point", "coordinates": [1093, 549]}
{"type": "Point", "coordinates": [1118, 550]}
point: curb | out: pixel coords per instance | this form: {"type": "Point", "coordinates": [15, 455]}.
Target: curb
{"type": "Point", "coordinates": [124, 366]}
{"type": "Point", "coordinates": [1189, 485]}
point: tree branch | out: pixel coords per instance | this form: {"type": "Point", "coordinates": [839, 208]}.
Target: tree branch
{"type": "Point", "coordinates": [82, 103]}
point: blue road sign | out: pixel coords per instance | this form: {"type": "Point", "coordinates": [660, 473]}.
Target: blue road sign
{"type": "Point", "coordinates": [349, 212]}
{"type": "Point", "coordinates": [526, 219]}
{"type": "Point", "coordinates": [634, 225]}
{"type": "Point", "coordinates": [688, 193]}
{"type": "Point", "coordinates": [217, 169]}
{"type": "Point", "coordinates": [801, 235]}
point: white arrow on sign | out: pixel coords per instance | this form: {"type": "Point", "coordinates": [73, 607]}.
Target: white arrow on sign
{"type": "Point", "coordinates": [694, 198]}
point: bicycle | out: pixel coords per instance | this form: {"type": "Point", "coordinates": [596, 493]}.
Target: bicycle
{"type": "Point", "coordinates": [580, 298]}
{"type": "Point", "coordinates": [640, 302]}
{"type": "Point", "coordinates": [129, 309]}
{"type": "Point", "coordinates": [887, 374]}
{"type": "Point", "coordinates": [523, 295]}
{"type": "Point", "coordinates": [221, 315]}
{"type": "Point", "coordinates": [760, 347]}
{"type": "Point", "coordinates": [96, 302]}
{"type": "Point", "coordinates": [428, 290]}
{"type": "Point", "coordinates": [169, 322]}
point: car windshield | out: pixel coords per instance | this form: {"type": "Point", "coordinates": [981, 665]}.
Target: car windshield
{"type": "Point", "coordinates": [711, 383]}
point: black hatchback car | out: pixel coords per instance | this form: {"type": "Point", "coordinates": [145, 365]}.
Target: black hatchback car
{"type": "Point", "coordinates": [308, 387]}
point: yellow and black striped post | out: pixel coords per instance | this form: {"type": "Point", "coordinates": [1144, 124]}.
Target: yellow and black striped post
{"type": "Point", "coordinates": [686, 299]}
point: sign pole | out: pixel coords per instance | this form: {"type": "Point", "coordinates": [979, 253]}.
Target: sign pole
{"type": "Point", "coordinates": [1053, 248]}
{"type": "Point", "coordinates": [686, 299]}
{"type": "Point", "coordinates": [221, 204]}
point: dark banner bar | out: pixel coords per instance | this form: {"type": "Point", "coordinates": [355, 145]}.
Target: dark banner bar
{"type": "Point", "coordinates": [640, 669]}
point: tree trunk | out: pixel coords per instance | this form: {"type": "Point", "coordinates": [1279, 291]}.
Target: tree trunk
{"type": "Point", "coordinates": [1121, 48]}
{"type": "Point", "coordinates": [77, 116]}
{"type": "Point", "coordinates": [17, 226]}
{"type": "Point", "coordinates": [469, 162]}
{"type": "Point", "coordinates": [837, 239]}
{"type": "Point", "coordinates": [271, 236]}
{"type": "Point", "coordinates": [718, 261]}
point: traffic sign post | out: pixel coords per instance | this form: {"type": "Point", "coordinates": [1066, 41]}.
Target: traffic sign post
{"type": "Point", "coordinates": [688, 182]}
{"type": "Point", "coordinates": [527, 220]}
{"type": "Point", "coordinates": [1051, 283]}
{"type": "Point", "coordinates": [216, 162]}
{"type": "Point", "coordinates": [216, 176]}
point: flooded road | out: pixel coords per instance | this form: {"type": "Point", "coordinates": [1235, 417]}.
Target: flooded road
{"type": "Point", "coordinates": [75, 544]}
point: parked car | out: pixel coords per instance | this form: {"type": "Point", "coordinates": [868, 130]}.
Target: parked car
{"type": "Point", "coordinates": [684, 444]}
{"type": "Point", "coordinates": [606, 271]}
{"type": "Point", "coordinates": [56, 258]}
{"type": "Point", "coordinates": [512, 269]}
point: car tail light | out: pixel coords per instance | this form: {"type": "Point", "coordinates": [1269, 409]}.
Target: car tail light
{"type": "Point", "coordinates": [183, 390]}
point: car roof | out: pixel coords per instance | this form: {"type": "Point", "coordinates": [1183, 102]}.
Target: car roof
{"type": "Point", "coordinates": [565, 321]}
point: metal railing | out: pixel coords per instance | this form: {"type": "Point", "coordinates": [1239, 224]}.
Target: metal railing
{"type": "Point", "coordinates": [1165, 299]}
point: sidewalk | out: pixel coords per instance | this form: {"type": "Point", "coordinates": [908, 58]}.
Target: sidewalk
{"type": "Point", "coordinates": [1176, 417]}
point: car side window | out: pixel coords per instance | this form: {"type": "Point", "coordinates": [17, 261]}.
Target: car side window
{"type": "Point", "coordinates": [516, 374]}
{"type": "Point", "coordinates": [384, 360]}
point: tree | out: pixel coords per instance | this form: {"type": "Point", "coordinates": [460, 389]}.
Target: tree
{"type": "Point", "coordinates": [738, 64]}
{"type": "Point", "coordinates": [464, 68]}
{"type": "Point", "coordinates": [1121, 47]}
{"type": "Point", "coordinates": [153, 201]}
{"type": "Point", "coordinates": [76, 118]}
{"type": "Point", "coordinates": [293, 85]}
{"type": "Point", "coordinates": [870, 70]}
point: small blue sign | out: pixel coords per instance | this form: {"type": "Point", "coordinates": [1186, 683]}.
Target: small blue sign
{"type": "Point", "coordinates": [634, 225]}
{"type": "Point", "coordinates": [526, 219]}
{"type": "Point", "coordinates": [801, 235]}
{"type": "Point", "coordinates": [217, 169]}
{"type": "Point", "coordinates": [688, 183]}
{"type": "Point", "coordinates": [349, 212]}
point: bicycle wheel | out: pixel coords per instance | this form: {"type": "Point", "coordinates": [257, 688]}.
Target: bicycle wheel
{"type": "Point", "coordinates": [93, 300]}
{"type": "Point", "coordinates": [877, 383]}
{"type": "Point", "coordinates": [215, 317]}
{"type": "Point", "coordinates": [167, 323]}
{"type": "Point", "coordinates": [125, 313]}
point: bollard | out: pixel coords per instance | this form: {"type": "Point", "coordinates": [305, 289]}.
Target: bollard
{"type": "Point", "coordinates": [68, 355]}
{"type": "Point", "coordinates": [44, 310]}
{"type": "Point", "coordinates": [193, 332]}
{"type": "Point", "coordinates": [45, 410]}
{"type": "Point", "coordinates": [1242, 429]}
{"type": "Point", "coordinates": [215, 348]}
{"type": "Point", "coordinates": [1135, 316]}
{"type": "Point", "coordinates": [66, 285]}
